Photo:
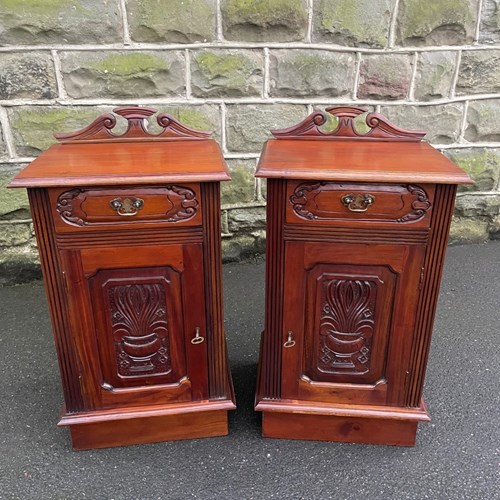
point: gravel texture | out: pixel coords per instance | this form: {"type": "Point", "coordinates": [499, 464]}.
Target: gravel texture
{"type": "Point", "coordinates": [456, 456]}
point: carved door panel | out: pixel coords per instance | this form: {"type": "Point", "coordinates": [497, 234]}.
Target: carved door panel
{"type": "Point", "coordinates": [135, 311]}
{"type": "Point", "coordinates": [346, 309]}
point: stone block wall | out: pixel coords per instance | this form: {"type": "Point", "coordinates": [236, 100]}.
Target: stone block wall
{"type": "Point", "coordinates": [240, 68]}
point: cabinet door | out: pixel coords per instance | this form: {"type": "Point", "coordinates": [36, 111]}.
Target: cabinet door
{"type": "Point", "coordinates": [134, 314]}
{"type": "Point", "coordinates": [349, 313]}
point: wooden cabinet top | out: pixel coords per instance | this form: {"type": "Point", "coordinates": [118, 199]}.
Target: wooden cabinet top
{"type": "Point", "coordinates": [97, 156]}
{"type": "Point", "coordinates": [385, 153]}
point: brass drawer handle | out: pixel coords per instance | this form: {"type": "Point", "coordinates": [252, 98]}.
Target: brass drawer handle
{"type": "Point", "coordinates": [197, 339]}
{"type": "Point", "coordinates": [127, 207]}
{"type": "Point", "coordinates": [358, 202]}
{"type": "Point", "coordinates": [290, 342]}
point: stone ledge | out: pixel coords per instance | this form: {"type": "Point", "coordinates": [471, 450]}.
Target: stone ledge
{"type": "Point", "coordinates": [20, 267]}
{"type": "Point", "coordinates": [465, 230]}
{"type": "Point", "coordinates": [244, 247]}
{"type": "Point", "coordinates": [478, 206]}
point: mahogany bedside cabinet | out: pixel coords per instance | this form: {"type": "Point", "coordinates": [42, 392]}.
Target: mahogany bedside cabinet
{"type": "Point", "coordinates": [357, 227]}
{"type": "Point", "coordinates": [128, 230]}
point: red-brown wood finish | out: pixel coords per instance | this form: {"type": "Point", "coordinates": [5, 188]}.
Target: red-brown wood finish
{"type": "Point", "coordinates": [56, 298]}
{"type": "Point", "coordinates": [134, 157]}
{"type": "Point", "coordinates": [133, 279]}
{"type": "Point", "coordinates": [219, 385]}
{"type": "Point", "coordinates": [143, 428]}
{"type": "Point", "coordinates": [145, 163]}
{"type": "Point", "coordinates": [341, 429]}
{"type": "Point", "coordinates": [101, 129]}
{"type": "Point", "coordinates": [380, 127]}
{"type": "Point", "coordinates": [270, 359]}
{"type": "Point", "coordinates": [331, 203]}
{"type": "Point", "coordinates": [96, 209]}
{"type": "Point", "coordinates": [356, 242]}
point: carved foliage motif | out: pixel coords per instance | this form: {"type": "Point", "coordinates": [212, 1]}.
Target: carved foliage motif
{"type": "Point", "coordinates": [140, 329]}
{"type": "Point", "coordinates": [380, 127]}
{"type": "Point", "coordinates": [346, 325]}
{"type": "Point", "coordinates": [65, 207]}
{"type": "Point", "coordinates": [301, 197]}
{"type": "Point", "coordinates": [419, 206]}
{"type": "Point", "coordinates": [188, 203]}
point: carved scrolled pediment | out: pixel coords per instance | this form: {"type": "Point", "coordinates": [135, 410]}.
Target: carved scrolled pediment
{"type": "Point", "coordinates": [381, 129]}
{"type": "Point", "coordinates": [101, 129]}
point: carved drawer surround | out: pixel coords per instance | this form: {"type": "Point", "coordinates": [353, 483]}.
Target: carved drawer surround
{"type": "Point", "coordinates": [333, 203]}
{"type": "Point", "coordinates": [121, 208]}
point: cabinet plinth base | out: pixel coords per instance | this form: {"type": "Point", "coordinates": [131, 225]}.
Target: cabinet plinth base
{"type": "Point", "coordinates": [342, 429]}
{"type": "Point", "coordinates": [387, 425]}
{"type": "Point", "coordinates": [108, 428]}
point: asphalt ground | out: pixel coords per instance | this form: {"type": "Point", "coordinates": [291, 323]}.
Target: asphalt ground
{"type": "Point", "coordinates": [457, 455]}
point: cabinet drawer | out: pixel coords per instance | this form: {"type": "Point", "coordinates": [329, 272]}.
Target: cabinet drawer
{"type": "Point", "coordinates": [122, 208]}
{"type": "Point", "coordinates": [333, 203]}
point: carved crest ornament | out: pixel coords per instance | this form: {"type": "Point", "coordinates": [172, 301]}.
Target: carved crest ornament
{"type": "Point", "coordinates": [381, 129]}
{"type": "Point", "coordinates": [100, 130]}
